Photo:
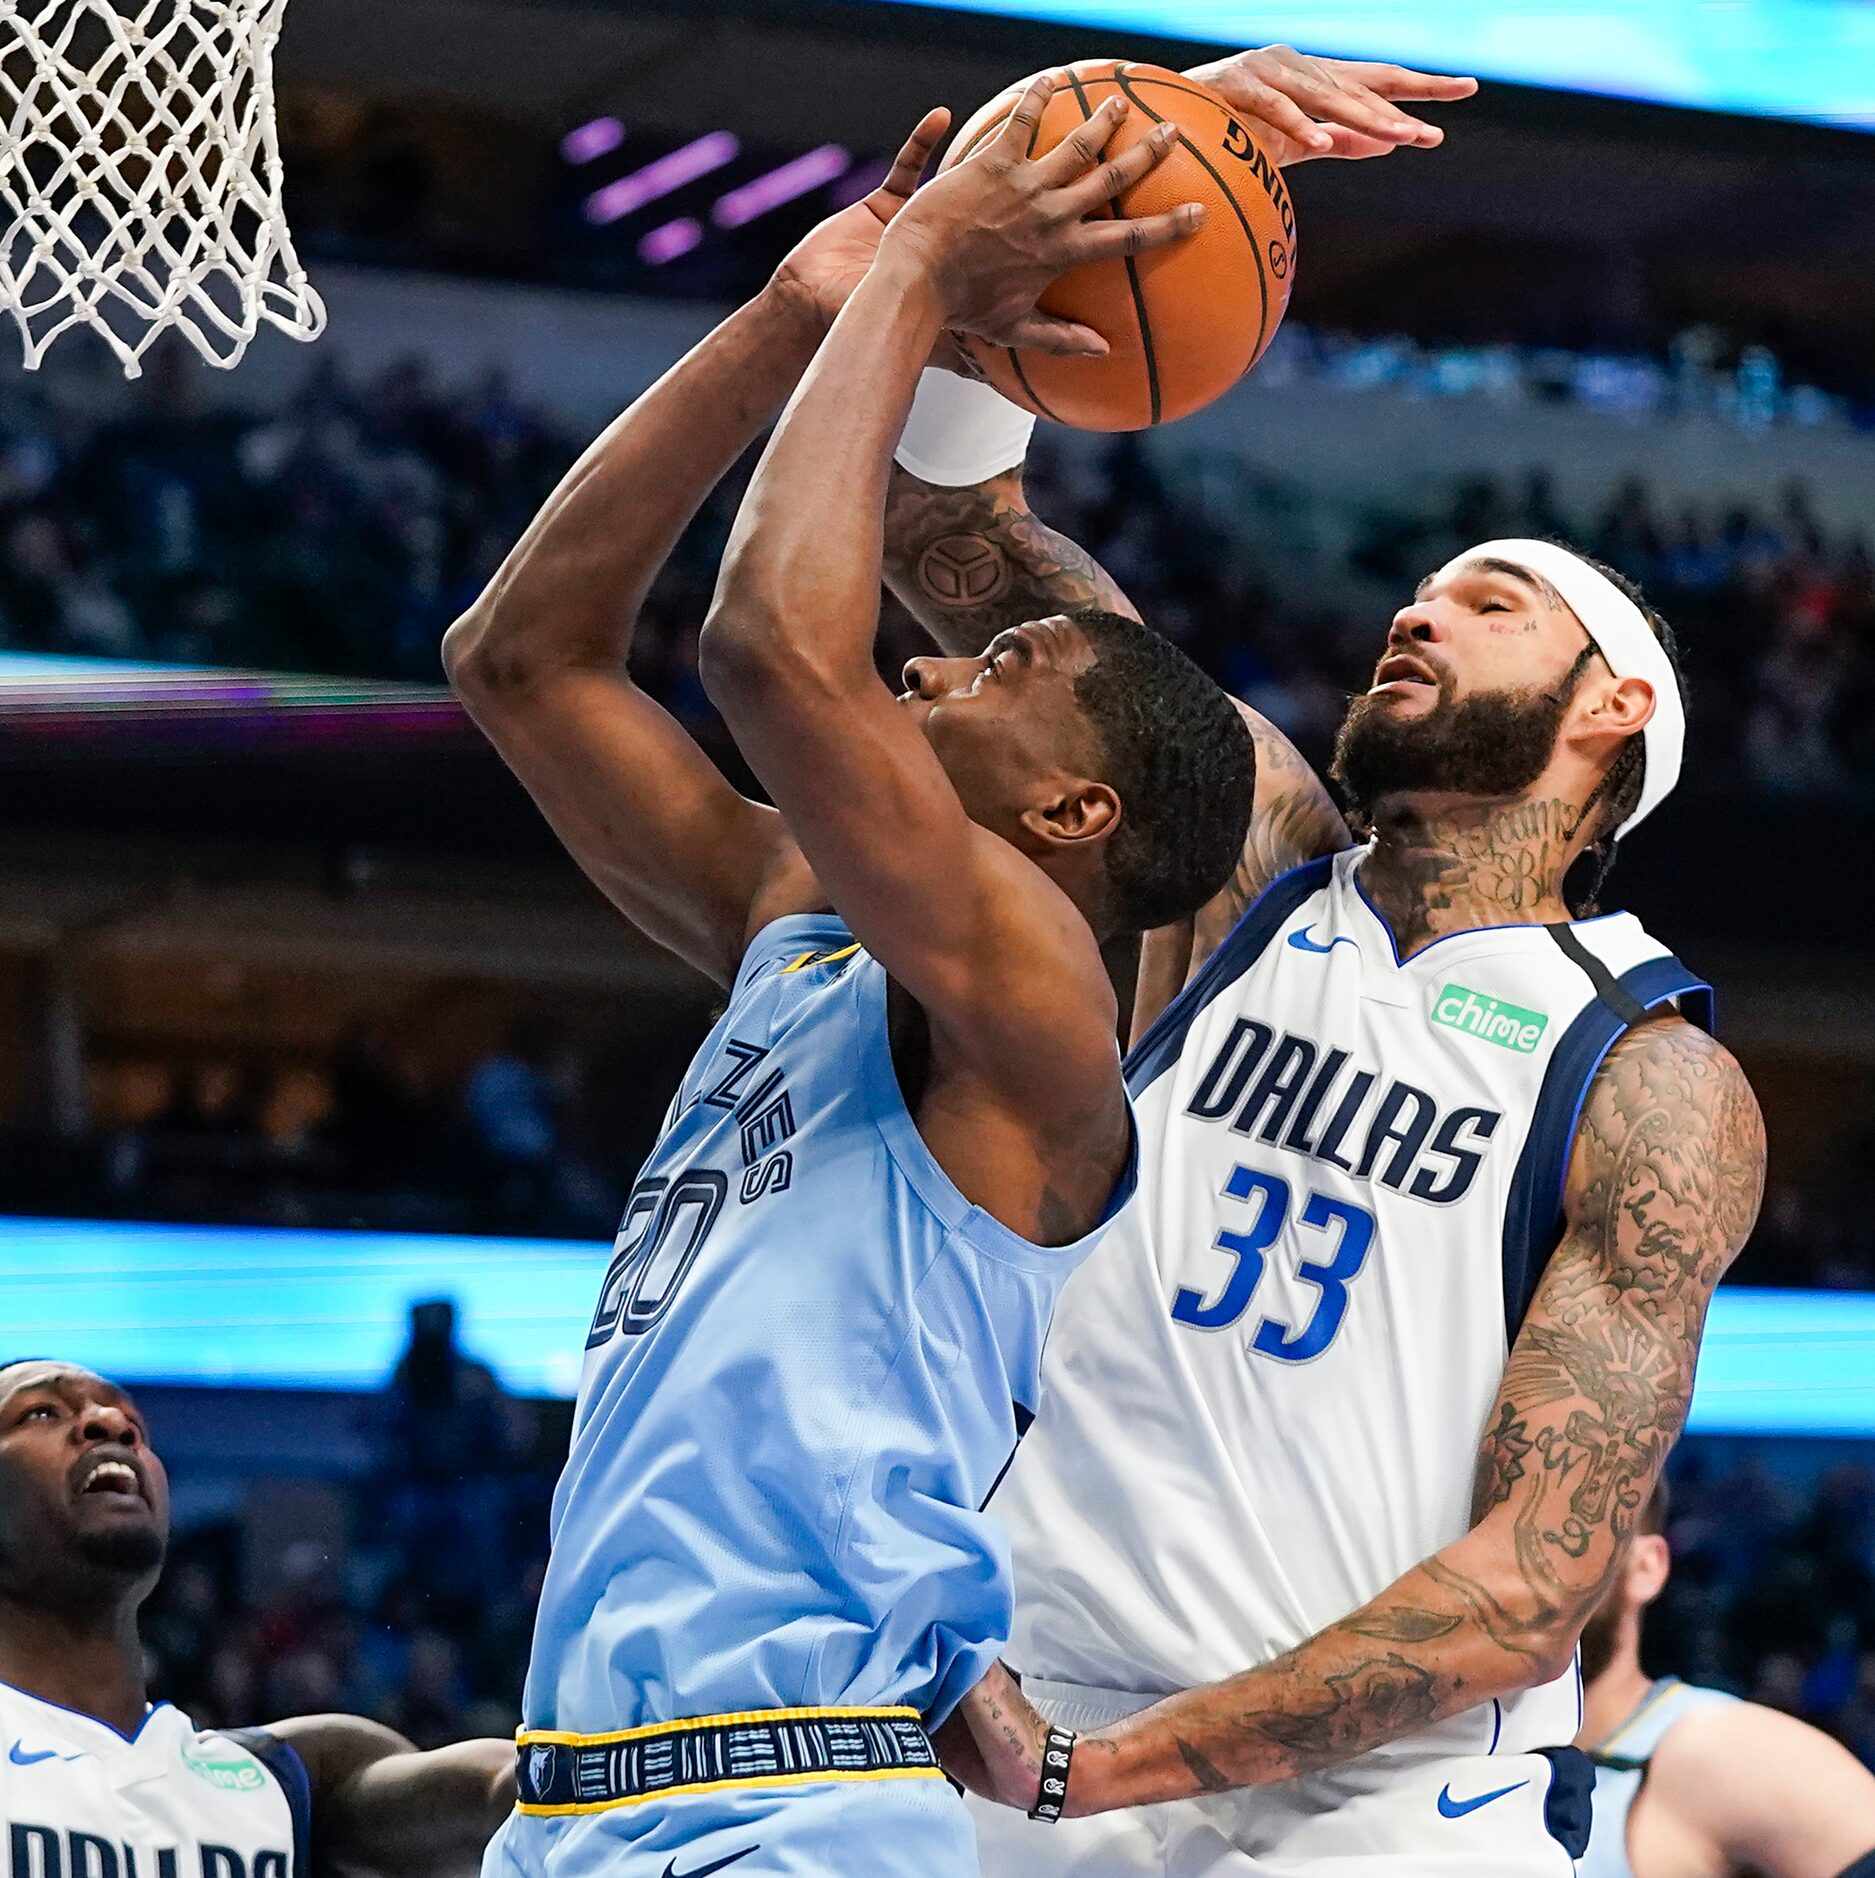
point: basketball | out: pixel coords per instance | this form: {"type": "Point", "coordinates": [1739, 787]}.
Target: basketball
{"type": "Point", "coordinates": [1184, 322]}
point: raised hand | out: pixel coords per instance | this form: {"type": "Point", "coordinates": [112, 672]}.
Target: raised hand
{"type": "Point", "coordinates": [995, 232]}
{"type": "Point", "coordinates": [824, 267]}
{"type": "Point", "coordinates": [1305, 107]}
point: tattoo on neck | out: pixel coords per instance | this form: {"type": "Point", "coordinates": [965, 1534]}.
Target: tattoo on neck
{"type": "Point", "coordinates": [1433, 875]}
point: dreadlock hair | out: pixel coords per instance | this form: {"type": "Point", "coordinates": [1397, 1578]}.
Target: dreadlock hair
{"type": "Point", "coordinates": [1619, 791]}
{"type": "Point", "coordinates": [1182, 761]}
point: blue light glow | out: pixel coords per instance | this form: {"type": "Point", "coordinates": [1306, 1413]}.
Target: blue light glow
{"type": "Point", "coordinates": [1810, 59]}
{"type": "Point", "coordinates": [312, 1310]}
{"type": "Point", "coordinates": [193, 1304]}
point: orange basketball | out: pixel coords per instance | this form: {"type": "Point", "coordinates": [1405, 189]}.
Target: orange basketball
{"type": "Point", "coordinates": [1184, 322]}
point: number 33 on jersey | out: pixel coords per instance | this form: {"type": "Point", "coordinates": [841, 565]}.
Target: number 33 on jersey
{"type": "Point", "coordinates": [1262, 1399]}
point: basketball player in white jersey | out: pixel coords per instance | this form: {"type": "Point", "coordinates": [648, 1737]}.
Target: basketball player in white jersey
{"type": "Point", "coordinates": [1693, 1783]}
{"type": "Point", "coordinates": [95, 1782]}
{"type": "Point", "coordinates": [1342, 1436]}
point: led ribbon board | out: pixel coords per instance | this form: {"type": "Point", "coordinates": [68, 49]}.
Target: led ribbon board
{"type": "Point", "coordinates": [1812, 59]}
{"type": "Point", "coordinates": [327, 1310]}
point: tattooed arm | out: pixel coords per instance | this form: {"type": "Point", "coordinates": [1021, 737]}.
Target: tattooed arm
{"type": "Point", "coordinates": [1663, 1187]}
{"type": "Point", "coordinates": [1294, 820]}
{"type": "Point", "coordinates": [970, 561]}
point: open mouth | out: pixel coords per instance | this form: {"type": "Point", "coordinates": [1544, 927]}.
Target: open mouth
{"type": "Point", "coordinates": [1399, 671]}
{"type": "Point", "coordinates": [110, 1476]}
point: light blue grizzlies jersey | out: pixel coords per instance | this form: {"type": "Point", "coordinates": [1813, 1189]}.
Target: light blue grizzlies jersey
{"type": "Point", "coordinates": [1621, 1760]}
{"type": "Point", "coordinates": [811, 1362]}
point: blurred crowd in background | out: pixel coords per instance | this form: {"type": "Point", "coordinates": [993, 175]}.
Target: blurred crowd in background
{"type": "Point", "coordinates": [342, 533]}
{"type": "Point", "coordinates": [423, 1614]}
{"type": "Point", "coordinates": [538, 1135]}
{"type": "Point", "coordinates": [423, 1617]}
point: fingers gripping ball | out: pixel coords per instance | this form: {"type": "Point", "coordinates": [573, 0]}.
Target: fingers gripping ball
{"type": "Point", "coordinates": [1184, 323]}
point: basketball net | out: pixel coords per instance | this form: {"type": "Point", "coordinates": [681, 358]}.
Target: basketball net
{"type": "Point", "coordinates": [140, 176]}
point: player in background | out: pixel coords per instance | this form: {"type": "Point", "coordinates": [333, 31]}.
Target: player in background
{"type": "Point", "coordinates": [97, 1783]}
{"type": "Point", "coordinates": [1343, 1435]}
{"type": "Point", "coordinates": [818, 1340]}
{"type": "Point", "coordinates": [1693, 1783]}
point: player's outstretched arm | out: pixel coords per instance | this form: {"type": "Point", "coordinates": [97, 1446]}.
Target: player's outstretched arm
{"type": "Point", "coordinates": [994, 952]}
{"type": "Point", "coordinates": [1663, 1189]}
{"type": "Point", "coordinates": [540, 659]}
{"type": "Point", "coordinates": [381, 1809]}
{"type": "Point", "coordinates": [1766, 1794]}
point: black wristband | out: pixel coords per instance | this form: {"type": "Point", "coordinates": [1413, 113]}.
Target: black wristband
{"type": "Point", "coordinates": [1057, 1752]}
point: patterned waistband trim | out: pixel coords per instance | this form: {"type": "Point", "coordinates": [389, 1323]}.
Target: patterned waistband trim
{"type": "Point", "coordinates": [558, 1773]}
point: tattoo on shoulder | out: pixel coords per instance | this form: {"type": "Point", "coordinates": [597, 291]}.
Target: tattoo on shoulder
{"type": "Point", "coordinates": [1294, 820]}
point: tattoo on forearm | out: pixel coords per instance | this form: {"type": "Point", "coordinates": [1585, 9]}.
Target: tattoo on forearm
{"type": "Point", "coordinates": [1210, 1777]}
{"type": "Point", "coordinates": [970, 562]}
{"type": "Point", "coordinates": [1402, 1624]}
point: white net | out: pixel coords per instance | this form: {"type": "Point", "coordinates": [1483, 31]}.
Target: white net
{"type": "Point", "coordinates": [140, 176]}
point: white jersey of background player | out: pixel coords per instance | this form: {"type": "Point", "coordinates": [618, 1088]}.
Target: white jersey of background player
{"type": "Point", "coordinates": [1339, 1444]}
{"type": "Point", "coordinates": [95, 1782]}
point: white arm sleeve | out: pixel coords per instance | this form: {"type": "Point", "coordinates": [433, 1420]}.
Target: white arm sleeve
{"type": "Point", "coordinates": [960, 432]}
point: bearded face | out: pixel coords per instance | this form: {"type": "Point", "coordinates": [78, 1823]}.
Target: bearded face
{"type": "Point", "coordinates": [1491, 744]}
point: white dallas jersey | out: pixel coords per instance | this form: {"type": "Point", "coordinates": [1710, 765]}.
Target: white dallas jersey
{"type": "Point", "coordinates": [79, 1800]}
{"type": "Point", "coordinates": [1262, 1399]}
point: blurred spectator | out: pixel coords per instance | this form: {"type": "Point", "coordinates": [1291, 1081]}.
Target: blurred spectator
{"type": "Point", "coordinates": [448, 1452]}
{"type": "Point", "coordinates": [512, 1114]}
{"type": "Point", "coordinates": [443, 1416]}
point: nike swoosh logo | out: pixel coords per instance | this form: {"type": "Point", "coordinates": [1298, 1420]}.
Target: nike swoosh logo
{"type": "Point", "coordinates": [1450, 1808]}
{"type": "Point", "coordinates": [1303, 943]}
{"type": "Point", "coordinates": [703, 1871]}
{"type": "Point", "coordinates": [20, 1757]}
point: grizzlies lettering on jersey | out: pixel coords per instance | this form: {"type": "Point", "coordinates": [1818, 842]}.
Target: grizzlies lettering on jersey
{"type": "Point", "coordinates": [79, 1800]}
{"type": "Point", "coordinates": [810, 1363]}
{"type": "Point", "coordinates": [1264, 1401]}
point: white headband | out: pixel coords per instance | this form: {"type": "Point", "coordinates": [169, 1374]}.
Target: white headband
{"type": "Point", "coordinates": [1623, 638]}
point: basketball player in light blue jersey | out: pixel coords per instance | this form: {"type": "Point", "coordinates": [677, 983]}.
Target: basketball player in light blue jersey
{"type": "Point", "coordinates": [1692, 1782]}
{"type": "Point", "coordinates": [819, 1337]}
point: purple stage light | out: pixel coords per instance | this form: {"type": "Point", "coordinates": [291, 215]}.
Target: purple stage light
{"type": "Point", "coordinates": [669, 240]}
{"type": "Point", "coordinates": [630, 193]}
{"type": "Point", "coordinates": [592, 140]}
{"type": "Point", "coordinates": [783, 185]}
